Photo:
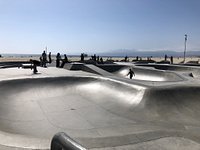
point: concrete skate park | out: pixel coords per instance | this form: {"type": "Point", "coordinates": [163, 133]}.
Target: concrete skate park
{"type": "Point", "coordinates": [99, 107]}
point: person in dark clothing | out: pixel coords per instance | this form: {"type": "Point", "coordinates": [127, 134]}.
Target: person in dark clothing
{"type": "Point", "coordinates": [44, 59]}
{"type": "Point", "coordinates": [95, 58]}
{"type": "Point", "coordinates": [101, 60]}
{"type": "Point", "coordinates": [131, 73]}
{"type": "Point", "coordinates": [58, 58]}
{"type": "Point", "coordinates": [65, 60]}
{"type": "Point", "coordinates": [34, 64]}
{"type": "Point", "coordinates": [41, 64]}
{"type": "Point", "coordinates": [50, 60]}
{"type": "Point", "coordinates": [171, 58]}
{"type": "Point", "coordinates": [165, 57]}
{"type": "Point", "coordinates": [125, 59]}
{"type": "Point", "coordinates": [82, 56]}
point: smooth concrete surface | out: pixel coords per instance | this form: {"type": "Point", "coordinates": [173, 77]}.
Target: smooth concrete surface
{"type": "Point", "coordinates": [99, 112]}
{"type": "Point", "coordinates": [192, 71]}
{"type": "Point", "coordinates": [147, 74]}
{"type": "Point", "coordinates": [144, 73]}
{"type": "Point", "coordinates": [160, 144]}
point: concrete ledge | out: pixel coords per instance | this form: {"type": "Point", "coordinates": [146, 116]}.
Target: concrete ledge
{"type": "Point", "coordinates": [131, 139]}
{"type": "Point", "coordinates": [23, 142]}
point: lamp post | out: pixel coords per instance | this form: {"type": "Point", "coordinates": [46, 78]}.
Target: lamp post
{"type": "Point", "coordinates": [185, 47]}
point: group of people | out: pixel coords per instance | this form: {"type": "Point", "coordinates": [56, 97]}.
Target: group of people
{"type": "Point", "coordinates": [43, 62]}
{"type": "Point", "coordinates": [43, 59]}
{"type": "Point", "coordinates": [97, 59]}
{"type": "Point", "coordinates": [93, 57]}
{"type": "Point", "coordinates": [60, 60]}
{"type": "Point", "coordinates": [171, 59]}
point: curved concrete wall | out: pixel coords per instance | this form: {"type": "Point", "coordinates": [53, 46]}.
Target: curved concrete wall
{"type": "Point", "coordinates": [42, 107]}
{"type": "Point", "coordinates": [149, 74]}
{"type": "Point", "coordinates": [194, 70]}
{"type": "Point", "coordinates": [92, 107]}
{"type": "Point", "coordinates": [36, 101]}
{"type": "Point", "coordinates": [174, 104]}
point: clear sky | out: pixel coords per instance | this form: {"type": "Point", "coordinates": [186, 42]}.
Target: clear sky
{"type": "Point", "coordinates": [75, 26]}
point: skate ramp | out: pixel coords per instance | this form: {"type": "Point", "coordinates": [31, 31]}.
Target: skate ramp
{"type": "Point", "coordinates": [173, 104]}
{"type": "Point", "coordinates": [141, 73]}
{"type": "Point", "coordinates": [97, 111]}
{"type": "Point", "coordinates": [43, 107]}
{"type": "Point", "coordinates": [148, 74]}
{"type": "Point", "coordinates": [96, 70]}
{"type": "Point", "coordinates": [192, 71]}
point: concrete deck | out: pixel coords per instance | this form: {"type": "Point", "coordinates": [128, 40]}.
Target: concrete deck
{"type": "Point", "coordinates": [99, 112]}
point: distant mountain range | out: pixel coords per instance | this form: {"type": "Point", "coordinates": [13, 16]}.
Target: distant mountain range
{"type": "Point", "coordinates": [160, 53]}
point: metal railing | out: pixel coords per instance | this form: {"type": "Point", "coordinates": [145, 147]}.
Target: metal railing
{"type": "Point", "coordinates": [61, 141]}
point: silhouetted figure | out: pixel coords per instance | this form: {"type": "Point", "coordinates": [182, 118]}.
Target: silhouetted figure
{"type": "Point", "coordinates": [50, 60]}
{"type": "Point", "coordinates": [137, 58]}
{"type": "Point", "coordinates": [34, 63]}
{"type": "Point", "coordinates": [131, 73]}
{"type": "Point", "coordinates": [82, 56]}
{"type": "Point", "coordinates": [65, 60]}
{"type": "Point", "coordinates": [95, 58]}
{"type": "Point", "coordinates": [171, 58]}
{"type": "Point", "coordinates": [165, 57]}
{"type": "Point", "coordinates": [44, 59]}
{"type": "Point", "coordinates": [125, 59]}
{"type": "Point", "coordinates": [101, 60]}
{"type": "Point", "coordinates": [41, 64]}
{"type": "Point", "coordinates": [58, 58]}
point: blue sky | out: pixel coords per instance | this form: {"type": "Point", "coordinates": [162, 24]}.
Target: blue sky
{"type": "Point", "coordinates": [92, 26]}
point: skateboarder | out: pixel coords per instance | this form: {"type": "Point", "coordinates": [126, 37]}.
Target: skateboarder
{"type": "Point", "coordinates": [131, 73]}
{"type": "Point", "coordinates": [34, 66]}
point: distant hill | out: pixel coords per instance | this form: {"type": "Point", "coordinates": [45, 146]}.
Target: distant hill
{"type": "Point", "coordinates": [160, 53]}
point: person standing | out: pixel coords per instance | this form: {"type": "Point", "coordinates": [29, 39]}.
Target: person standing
{"type": "Point", "coordinates": [165, 57]}
{"type": "Point", "coordinates": [125, 58]}
{"type": "Point", "coordinates": [171, 58]}
{"type": "Point", "coordinates": [58, 58]}
{"type": "Point", "coordinates": [101, 60]}
{"type": "Point", "coordinates": [44, 59]}
{"type": "Point", "coordinates": [65, 60]}
{"type": "Point", "coordinates": [50, 60]}
{"type": "Point", "coordinates": [82, 57]}
{"type": "Point", "coordinates": [131, 73]}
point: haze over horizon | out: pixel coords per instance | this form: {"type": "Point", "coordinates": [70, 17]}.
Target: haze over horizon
{"type": "Point", "coordinates": [94, 26]}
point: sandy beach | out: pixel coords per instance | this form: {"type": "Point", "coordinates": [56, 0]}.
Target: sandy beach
{"type": "Point", "coordinates": [176, 60]}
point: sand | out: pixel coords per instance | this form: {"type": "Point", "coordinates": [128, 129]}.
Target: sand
{"type": "Point", "coordinates": [157, 59]}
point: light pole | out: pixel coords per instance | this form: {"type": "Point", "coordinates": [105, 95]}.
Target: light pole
{"type": "Point", "coordinates": [185, 47]}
